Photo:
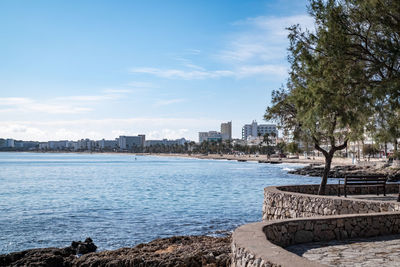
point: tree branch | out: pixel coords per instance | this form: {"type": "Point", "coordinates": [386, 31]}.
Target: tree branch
{"type": "Point", "coordinates": [342, 146]}
{"type": "Point", "coordinates": [317, 147]}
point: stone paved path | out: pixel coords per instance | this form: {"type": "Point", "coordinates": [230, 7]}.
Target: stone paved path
{"type": "Point", "coordinates": [383, 251]}
{"type": "Point", "coordinates": [388, 197]}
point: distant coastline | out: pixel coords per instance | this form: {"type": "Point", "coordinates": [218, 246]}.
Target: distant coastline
{"type": "Point", "coordinates": [337, 161]}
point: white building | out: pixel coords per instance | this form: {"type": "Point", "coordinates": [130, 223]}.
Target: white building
{"type": "Point", "coordinates": [255, 130]}
{"type": "Point", "coordinates": [129, 142]}
{"type": "Point", "coordinates": [165, 142]}
{"type": "Point", "coordinates": [107, 144]}
{"type": "Point", "coordinates": [85, 144]}
{"type": "Point", "coordinates": [210, 136]}
{"type": "Point", "coordinates": [226, 130]}
{"type": "Point", "coordinates": [43, 145]}
{"type": "Point", "coordinates": [9, 143]}
{"type": "Point", "coordinates": [57, 145]}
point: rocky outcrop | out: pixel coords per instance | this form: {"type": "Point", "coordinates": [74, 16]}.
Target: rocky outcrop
{"type": "Point", "coordinates": [342, 171]}
{"type": "Point", "coordinates": [48, 256]}
{"type": "Point", "coordinates": [173, 251]}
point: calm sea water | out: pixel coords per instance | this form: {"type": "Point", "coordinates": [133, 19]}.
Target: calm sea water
{"type": "Point", "coordinates": [51, 199]}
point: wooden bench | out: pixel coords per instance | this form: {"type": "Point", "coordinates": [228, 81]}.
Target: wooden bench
{"type": "Point", "coordinates": [378, 181]}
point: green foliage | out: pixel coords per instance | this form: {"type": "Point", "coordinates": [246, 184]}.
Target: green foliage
{"type": "Point", "coordinates": [327, 97]}
{"type": "Point", "coordinates": [370, 150]}
{"type": "Point", "coordinates": [281, 147]}
{"type": "Point", "coordinates": [293, 148]}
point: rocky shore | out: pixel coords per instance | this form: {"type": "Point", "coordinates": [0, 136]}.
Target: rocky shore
{"type": "Point", "coordinates": [173, 251]}
{"type": "Point", "coordinates": [342, 171]}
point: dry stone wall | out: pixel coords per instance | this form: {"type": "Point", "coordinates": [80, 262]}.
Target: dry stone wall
{"type": "Point", "coordinates": [291, 232]}
{"type": "Point", "coordinates": [285, 202]}
{"type": "Point", "coordinates": [307, 217]}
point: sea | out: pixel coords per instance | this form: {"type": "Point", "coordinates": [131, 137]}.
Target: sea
{"type": "Point", "coordinates": [121, 200]}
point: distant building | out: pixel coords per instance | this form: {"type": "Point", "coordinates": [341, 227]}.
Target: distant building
{"type": "Point", "coordinates": [225, 134]}
{"type": "Point", "coordinates": [57, 145]}
{"type": "Point", "coordinates": [107, 144]}
{"type": "Point", "coordinates": [43, 145]}
{"type": "Point", "coordinates": [27, 145]}
{"type": "Point", "coordinates": [254, 130]}
{"type": "Point", "coordinates": [210, 136]}
{"type": "Point", "coordinates": [165, 142]}
{"type": "Point", "coordinates": [129, 142]}
{"type": "Point", "coordinates": [9, 143]}
{"type": "Point", "coordinates": [226, 131]}
{"type": "Point", "coordinates": [85, 144]}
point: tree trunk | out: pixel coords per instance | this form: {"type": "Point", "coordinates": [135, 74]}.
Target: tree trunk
{"type": "Point", "coordinates": [385, 149]}
{"type": "Point", "coordinates": [395, 145]}
{"type": "Point", "coordinates": [327, 168]}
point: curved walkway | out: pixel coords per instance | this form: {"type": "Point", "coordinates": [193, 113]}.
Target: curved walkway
{"type": "Point", "coordinates": [295, 215]}
{"type": "Point", "coordinates": [374, 251]}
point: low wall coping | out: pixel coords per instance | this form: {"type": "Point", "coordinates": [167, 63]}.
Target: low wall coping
{"type": "Point", "coordinates": [252, 238]}
{"type": "Point", "coordinates": [277, 189]}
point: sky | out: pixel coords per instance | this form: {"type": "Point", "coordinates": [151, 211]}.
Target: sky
{"type": "Point", "coordinates": [167, 69]}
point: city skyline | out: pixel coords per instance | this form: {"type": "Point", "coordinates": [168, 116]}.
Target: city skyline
{"type": "Point", "coordinates": [168, 70]}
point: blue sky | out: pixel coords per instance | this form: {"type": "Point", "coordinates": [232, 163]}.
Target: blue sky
{"type": "Point", "coordinates": [168, 69]}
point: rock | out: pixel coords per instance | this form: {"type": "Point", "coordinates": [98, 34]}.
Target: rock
{"type": "Point", "coordinates": [342, 171]}
{"type": "Point", "coordinates": [173, 251]}
{"type": "Point", "coordinates": [303, 236]}
{"type": "Point", "coordinates": [84, 247]}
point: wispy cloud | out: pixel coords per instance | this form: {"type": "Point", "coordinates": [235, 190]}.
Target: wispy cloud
{"type": "Point", "coordinates": [236, 72]}
{"type": "Point", "coordinates": [89, 98]}
{"type": "Point", "coordinates": [109, 128]}
{"type": "Point", "coordinates": [262, 39]}
{"type": "Point", "coordinates": [141, 85]}
{"type": "Point", "coordinates": [251, 70]}
{"type": "Point", "coordinates": [117, 91]}
{"type": "Point", "coordinates": [27, 105]}
{"type": "Point", "coordinates": [258, 48]}
{"type": "Point", "coordinates": [184, 74]}
{"type": "Point", "coordinates": [166, 102]}
{"type": "Point", "coordinates": [193, 51]}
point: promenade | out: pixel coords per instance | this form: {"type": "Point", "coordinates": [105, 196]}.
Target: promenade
{"type": "Point", "coordinates": [374, 251]}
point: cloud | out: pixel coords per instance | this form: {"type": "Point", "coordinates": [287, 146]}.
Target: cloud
{"type": "Point", "coordinates": [11, 101]}
{"type": "Point", "coordinates": [193, 51]}
{"type": "Point", "coordinates": [141, 85]}
{"type": "Point", "coordinates": [108, 128]}
{"type": "Point", "coordinates": [117, 91]}
{"type": "Point", "coordinates": [58, 105]}
{"type": "Point", "coordinates": [88, 98]}
{"type": "Point", "coordinates": [167, 133]}
{"type": "Point", "coordinates": [166, 102]}
{"type": "Point", "coordinates": [263, 39]}
{"type": "Point", "coordinates": [237, 72]}
{"type": "Point", "coordinates": [251, 70]}
{"type": "Point", "coordinates": [28, 105]}
{"type": "Point", "coordinates": [259, 48]}
{"type": "Point", "coordinates": [183, 74]}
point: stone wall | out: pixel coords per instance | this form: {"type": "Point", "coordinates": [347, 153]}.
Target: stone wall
{"type": "Point", "coordinates": [291, 232]}
{"type": "Point", "coordinates": [308, 217]}
{"type": "Point", "coordinates": [284, 202]}
{"type": "Point", "coordinates": [250, 247]}
{"type": "Point", "coordinates": [262, 244]}
{"type": "Point", "coordinates": [332, 189]}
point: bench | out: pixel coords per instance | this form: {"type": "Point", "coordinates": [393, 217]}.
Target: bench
{"type": "Point", "coordinates": [378, 181]}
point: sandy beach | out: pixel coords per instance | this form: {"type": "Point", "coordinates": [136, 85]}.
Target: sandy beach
{"type": "Point", "coordinates": [264, 158]}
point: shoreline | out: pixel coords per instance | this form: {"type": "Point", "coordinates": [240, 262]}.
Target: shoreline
{"type": "Point", "coordinates": [169, 245]}
{"type": "Point", "coordinates": [336, 161]}
{"type": "Point", "coordinates": [171, 251]}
